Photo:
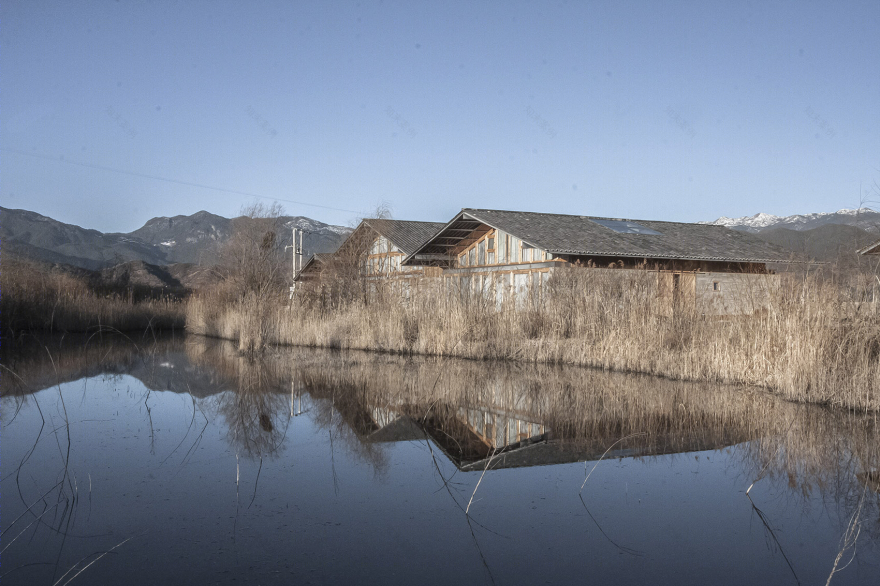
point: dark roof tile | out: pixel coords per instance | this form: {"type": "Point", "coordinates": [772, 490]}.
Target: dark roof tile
{"type": "Point", "coordinates": [406, 235]}
{"type": "Point", "coordinates": [582, 236]}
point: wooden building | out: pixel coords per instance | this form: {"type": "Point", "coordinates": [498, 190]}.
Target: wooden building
{"type": "Point", "coordinates": [315, 268]}
{"type": "Point", "coordinates": [374, 250]}
{"type": "Point", "coordinates": [388, 242]}
{"type": "Point", "coordinates": [505, 253]}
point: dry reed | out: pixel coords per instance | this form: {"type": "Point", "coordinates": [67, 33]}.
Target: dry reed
{"type": "Point", "coordinates": [36, 298]}
{"type": "Point", "coordinates": [811, 340]}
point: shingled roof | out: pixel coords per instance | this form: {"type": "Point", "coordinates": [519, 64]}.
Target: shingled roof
{"type": "Point", "coordinates": [609, 237]}
{"type": "Point", "coordinates": [871, 248]}
{"type": "Point", "coordinates": [406, 235]}
{"type": "Point", "coordinates": [313, 264]}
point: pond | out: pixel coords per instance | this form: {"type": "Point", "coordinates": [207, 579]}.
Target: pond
{"type": "Point", "coordinates": [178, 461]}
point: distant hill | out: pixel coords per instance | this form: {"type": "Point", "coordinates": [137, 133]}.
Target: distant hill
{"type": "Point", "coordinates": [828, 237]}
{"type": "Point", "coordinates": [163, 241]}
{"type": "Point", "coordinates": [828, 243]}
{"type": "Point", "coordinates": [37, 237]}
{"type": "Point", "coordinates": [176, 278]}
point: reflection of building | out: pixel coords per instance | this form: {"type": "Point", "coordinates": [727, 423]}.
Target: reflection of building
{"type": "Point", "coordinates": [476, 437]}
{"type": "Point", "coordinates": [501, 254]}
{"type": "Point", "coordinates": [870, 479]}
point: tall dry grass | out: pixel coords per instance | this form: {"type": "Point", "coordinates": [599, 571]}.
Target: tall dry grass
{"type": "Point", "coordinates": [35, 297]}
{"type": "Point", "coordinates": [814, 341]}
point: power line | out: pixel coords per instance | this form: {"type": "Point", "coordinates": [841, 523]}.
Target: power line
{"type": "Point", "coordinates": [62, 159]}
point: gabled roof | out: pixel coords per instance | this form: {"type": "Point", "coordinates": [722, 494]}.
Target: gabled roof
{"type": "Point", "coordinates": [315, 262]}
{"type": "Point", "coordinates": [406, 235]}
{"type": "Point", "coordinates": [614, 237]}
{"type": "Point", "coordinates": [319, 258]}
{"type": "Point", "coordinates": [871, 249]}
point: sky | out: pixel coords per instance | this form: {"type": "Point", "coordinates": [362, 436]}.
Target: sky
{"type": "Point", "coordinates": [112, 113]}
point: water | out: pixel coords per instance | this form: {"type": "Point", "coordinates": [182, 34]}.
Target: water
{"type": "Point", "coordinates": [177, 461]}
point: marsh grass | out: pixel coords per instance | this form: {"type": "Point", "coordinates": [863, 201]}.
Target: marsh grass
{"type": "Point", "coordinates": [36, 297]}
{"type": "Point", "coordinates": [810, 339]}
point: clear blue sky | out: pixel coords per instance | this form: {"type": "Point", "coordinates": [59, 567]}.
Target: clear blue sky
{"type": "Point", "coordinates": [654, 110]}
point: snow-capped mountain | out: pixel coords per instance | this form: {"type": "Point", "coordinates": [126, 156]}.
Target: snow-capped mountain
{"type": "Point", "coordinates": [161, 241]}
{"type": "Point", "coordinates": [864, 218]}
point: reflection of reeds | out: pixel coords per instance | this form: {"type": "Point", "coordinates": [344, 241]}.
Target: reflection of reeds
{"type": "Point", "coordinates": [849, 539]}
{"type": "Point", "coordinates": [580, 413]}
{"type": "Point", "coordinates": [41, 361]}
{"type": "Point", "coordinates": [255, 408]}
{"type": "Point", "coordinates": [808, 448]}
{"type": "Point", "coordinates": [587, 408]}
{"type": "Point", "coordinates": [809, 340]}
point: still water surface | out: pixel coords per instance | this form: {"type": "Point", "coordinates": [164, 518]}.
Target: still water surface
{"type": "Point", "coordinates": [176, 461]}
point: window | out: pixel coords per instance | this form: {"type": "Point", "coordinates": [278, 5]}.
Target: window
{"type": "Point", "coordinates": [491, 243]}
{"type": "Point", "coordinates": [716, 286]}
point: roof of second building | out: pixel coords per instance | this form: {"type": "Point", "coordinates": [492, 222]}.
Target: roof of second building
{"type": "Point", "coordinates": [614, 237]}
{"type": "Point", "coordinates": [407, 235]}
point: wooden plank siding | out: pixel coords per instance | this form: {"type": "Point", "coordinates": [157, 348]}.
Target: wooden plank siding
{"type": "Point", "coordinates": [491, 247]}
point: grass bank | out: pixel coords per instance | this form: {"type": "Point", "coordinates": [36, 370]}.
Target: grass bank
{"type": "Point", "coordinates": [39, 297]}
{"type": "Point", "coordinates": [816, 341]}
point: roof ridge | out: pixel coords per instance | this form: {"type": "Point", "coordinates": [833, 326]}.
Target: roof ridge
{"type": "Point", "coordinates": [466, 210]}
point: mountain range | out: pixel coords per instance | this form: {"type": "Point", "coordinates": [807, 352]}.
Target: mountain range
{"type": "Point", "coordinates": [864, 218]}
{"type": "Point", "coordinates": [194, 239]}
{"type": "Point", "coordinates": [828, 237]}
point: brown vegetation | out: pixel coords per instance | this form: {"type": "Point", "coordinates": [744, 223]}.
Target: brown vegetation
{"type": "Point", "coordinates": [816, 341]}
{"type": "Point", "coordinates": [252, 270]}
{"type": "Point", "coordinates": [35, 296]}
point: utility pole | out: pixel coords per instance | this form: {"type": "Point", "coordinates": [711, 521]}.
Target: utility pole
{"type": "Point", "coordinates": [296, 257]}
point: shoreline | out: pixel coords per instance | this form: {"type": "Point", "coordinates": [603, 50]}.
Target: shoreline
{"type": "Point", "coordinates": [818, 352]}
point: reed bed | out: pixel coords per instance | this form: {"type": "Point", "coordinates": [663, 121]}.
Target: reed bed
{"type": "Point", "coordinates": [811, 340]}
{"type": "Point", "coordinates": [34, 298]}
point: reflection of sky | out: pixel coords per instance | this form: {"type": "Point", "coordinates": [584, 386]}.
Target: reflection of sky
{"type": "Point", "coordinates": [318, 511]}
{"type": "Point", "coordinates": [672, 111]}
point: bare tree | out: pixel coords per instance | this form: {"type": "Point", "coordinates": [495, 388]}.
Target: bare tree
{"type": "Point", "coordinates": [348, 274]}
{"type": "Point", "coordinates": [252, 260]}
